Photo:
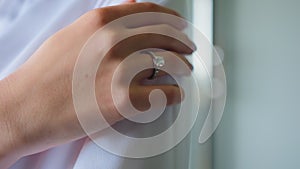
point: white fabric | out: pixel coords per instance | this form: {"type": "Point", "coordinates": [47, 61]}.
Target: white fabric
{"type": "Point", "coordinates": [24, 25]}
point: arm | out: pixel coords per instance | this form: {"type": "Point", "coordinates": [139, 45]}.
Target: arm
{"type": "Point", "coordinates": [8, 105]}
{"type": "Point", "coordinates": [36, 105]}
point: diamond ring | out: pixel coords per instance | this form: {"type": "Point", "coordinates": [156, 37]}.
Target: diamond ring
{"type": "Point", "coordinates": [158, 63]}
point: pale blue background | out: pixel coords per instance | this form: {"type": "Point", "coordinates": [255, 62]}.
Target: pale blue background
{"type": "Point", "coordinates": [260, 127]}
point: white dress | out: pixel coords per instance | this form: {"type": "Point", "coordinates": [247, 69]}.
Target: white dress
{"type": "Point", "coordinates": [24, 25]}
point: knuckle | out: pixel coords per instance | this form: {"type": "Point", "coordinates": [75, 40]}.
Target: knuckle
{"type": "Point", "coordinates": [151, 5]}
{"type": "Point", "coordinates": [155, 7]}
{"type": "Point", "coordinates": [97, 17]}
{"type": "Point", "coordinates": [111, 39]}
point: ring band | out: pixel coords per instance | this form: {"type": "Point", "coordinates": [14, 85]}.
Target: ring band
{"type": "Point", "coordinates": [158, 63]}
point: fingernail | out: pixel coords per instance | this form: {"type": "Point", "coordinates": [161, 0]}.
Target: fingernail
{"type": "Point", "coordinates": [129, 1]}
{"type": "Point", "coordinates": [191, 66]}
{"type": "Point", "coordinates": [194, 47]}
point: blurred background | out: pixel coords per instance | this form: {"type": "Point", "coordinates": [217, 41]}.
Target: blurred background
{"type": "Point", "coordinates": [261, 122]}
{"type": "Point", "coordinates": [260, 39]}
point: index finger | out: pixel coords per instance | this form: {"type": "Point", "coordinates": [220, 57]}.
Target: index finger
{"type": "Point", "coordinates": [114, 12]}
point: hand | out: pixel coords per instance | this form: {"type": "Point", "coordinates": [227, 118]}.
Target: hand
{"type": "Point", "coordinates": [37, 111]}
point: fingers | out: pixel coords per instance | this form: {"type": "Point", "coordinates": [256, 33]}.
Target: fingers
{"type": "Point", "coordinates": [157, 36]}
{"type": "Point", "coordinates": [139, 95]}
{"type": "Point", "coordinates": [175, 64]}
{"type": "Point", "coordinates": [156, 18]}
{"type": "Point", "coordinates": [182, 44]}
{"type": "Point", "coordinates": [111, 13]}
{"type": "Point", "coordinates": [129, 1]}
{"type": "Point", "coordinates": [127, 9]}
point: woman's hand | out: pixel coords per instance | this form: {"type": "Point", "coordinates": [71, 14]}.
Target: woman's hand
{"type": "Point", "coordinates": [36, 108]}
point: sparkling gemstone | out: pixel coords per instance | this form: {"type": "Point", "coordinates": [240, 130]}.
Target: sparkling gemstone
{"type": "Point", "coordinates": [159, 61]}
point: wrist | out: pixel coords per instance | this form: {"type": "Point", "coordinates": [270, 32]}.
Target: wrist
{"type": "Point", "coordinates": [9, 106]}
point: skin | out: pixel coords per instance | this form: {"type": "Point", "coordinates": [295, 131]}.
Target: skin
{"type": "Point", "coordinates": [36, 108]}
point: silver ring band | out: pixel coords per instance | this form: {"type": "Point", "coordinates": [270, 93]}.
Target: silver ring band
{"type": "Point", "coordinates": [158, 63]}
